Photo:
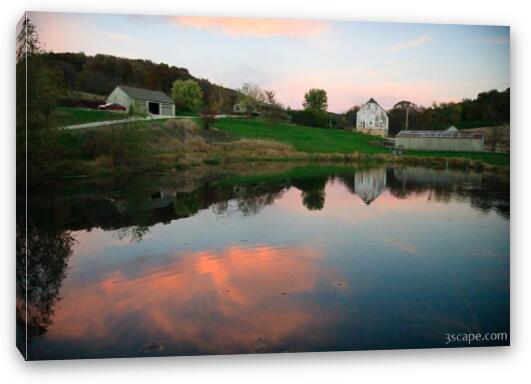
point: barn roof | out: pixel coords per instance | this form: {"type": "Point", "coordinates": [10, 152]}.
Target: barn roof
{"type": "Point", "coordinates": [371, 101]}
{"type": "Point", "coordinates": [441, 134]}
{"type": "Point", "coordinates": [146, 94]}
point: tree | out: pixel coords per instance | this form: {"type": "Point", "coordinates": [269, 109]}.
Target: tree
{"type": "Point", "coordinates": [187, 95]}
{"type": "Point", "coordinates": [208, 115]}
{"type": "Point", "coordinates": [316, 99]}
{"type": "Point", "coordinates": [27, 40]}
{"type": "Point", "coordinates": [405, 106]}
{"type": "Point", "coordinates": [310, 118]}
{"type": "Point", "coordinates": [251, 98]}
{"type": "Point", "coordinates": [272, 108]}
{"type": "Point", "coordinates": [49, 88]}
{"type": "Point", "coordinates": [351, 115]}
{"type": "Point", "coordinates": [270, 97]}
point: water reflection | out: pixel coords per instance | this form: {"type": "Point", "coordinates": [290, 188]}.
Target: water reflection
{"type": "Point", "coordinates": [310, 259]}
{"type": "Point", "coordinates": [238, 300]}
{"type": "Point", "coordinates": [41, 264]}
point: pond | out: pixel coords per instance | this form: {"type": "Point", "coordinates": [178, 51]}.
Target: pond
{"type": "Point", "coordinates": [303, 258]}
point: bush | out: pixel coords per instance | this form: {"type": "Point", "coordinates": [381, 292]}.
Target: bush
{"type": "Point", "coordinates": [208, 116]}
{"type": "Point", "coordinates": [311, 118]}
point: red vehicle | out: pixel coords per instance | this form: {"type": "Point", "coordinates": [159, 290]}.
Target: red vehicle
{"type": "Point", "coordinates": [111, 107]}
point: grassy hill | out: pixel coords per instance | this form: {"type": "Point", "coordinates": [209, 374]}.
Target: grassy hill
{"type": "Point", "coordinates": [301, 138]}
{"type": "Point", "coordinates": [322, 140]}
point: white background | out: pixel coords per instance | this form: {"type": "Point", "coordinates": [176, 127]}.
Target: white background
{"type": "Point", "coordinates": [484, 365]}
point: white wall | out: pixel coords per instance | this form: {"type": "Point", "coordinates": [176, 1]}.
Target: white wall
{"type": "Point", "coordinates": [119, 97]}
{"type": "Point", "coordinates": [372, 116]}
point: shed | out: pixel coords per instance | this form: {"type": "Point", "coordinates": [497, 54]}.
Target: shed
{"type": "Point", "coordinates": [142, 100]}
{"type": "Point", "coordinates": [441, 141]}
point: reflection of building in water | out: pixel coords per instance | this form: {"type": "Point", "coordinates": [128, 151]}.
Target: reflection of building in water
{"type": "Point", "coordinates": [435, 177]}
{"type": "Point", "coordinates": [370, 184]}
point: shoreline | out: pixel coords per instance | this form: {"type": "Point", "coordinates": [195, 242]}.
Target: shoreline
{"type": "Point", "coordinates": [317, 159]}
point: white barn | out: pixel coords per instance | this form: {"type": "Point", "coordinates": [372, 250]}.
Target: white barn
{"type": "Point", "coordinates": [372, 119]}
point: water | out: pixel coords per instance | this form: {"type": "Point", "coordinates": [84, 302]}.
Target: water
{"type": "Point", "coordinates": [297, 259]}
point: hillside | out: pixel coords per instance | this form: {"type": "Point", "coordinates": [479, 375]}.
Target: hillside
{"type": "Point", "coordinates": [84, 75]}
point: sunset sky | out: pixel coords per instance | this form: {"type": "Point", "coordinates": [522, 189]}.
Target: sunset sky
{"type": "Point", "coordinates": [352, 61]}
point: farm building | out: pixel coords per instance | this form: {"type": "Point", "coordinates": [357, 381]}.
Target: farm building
{"type": "Point", "coordinates": [440, 140]}
{"type": "Point", "coordinates": [142, 100]}
{"type": "Point", "coordinates": [372, 119]}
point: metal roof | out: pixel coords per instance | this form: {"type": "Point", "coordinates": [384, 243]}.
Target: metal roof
{"type": "Point", "coordinates": [146, 94]}
{"type": "Point", "coordinates": [441, 134]}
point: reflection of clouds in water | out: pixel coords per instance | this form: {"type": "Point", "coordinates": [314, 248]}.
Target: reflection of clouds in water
{"type": "Point", "coordinates": [401, 245]}
{"type": "Point", "coordinates": [208, 301]}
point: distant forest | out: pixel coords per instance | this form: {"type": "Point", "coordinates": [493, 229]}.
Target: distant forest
{"type": "Point", "coordinates": [99, 75]}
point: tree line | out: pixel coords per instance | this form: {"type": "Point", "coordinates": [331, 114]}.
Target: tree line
{"type": "Point", "coordinates": [100, 74]}
{"type": "Point", "coordinates": [489, 108]}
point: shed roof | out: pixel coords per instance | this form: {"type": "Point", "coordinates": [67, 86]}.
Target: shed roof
{"type": "Point", "coordinates": [146, 94]}
{"type": "Point", "coordinates": [441, 134]}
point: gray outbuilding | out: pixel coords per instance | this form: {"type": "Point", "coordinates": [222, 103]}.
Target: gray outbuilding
{"type": "Point", "coordinates": [440, 141]}
{"type": "Point", "coordinates": [142, 100]}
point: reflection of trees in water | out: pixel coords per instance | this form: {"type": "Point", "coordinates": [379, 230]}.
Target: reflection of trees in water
{"type": "Point", "coordinates": [135, 233]}
{"type": "Point", "coordinates": [251, 199]}
{"type": "Point", "coordinates": [131, 214]}
{"type": "Point", "coordinates": [312, 192]}
{"type": "Point", "coordinates": [40, 278]}
{"type": "Point", "coordinates": [484, 192]}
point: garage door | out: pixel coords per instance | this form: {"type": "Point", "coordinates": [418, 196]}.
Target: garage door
{"type": "Point", "coordinates": [167, 110]}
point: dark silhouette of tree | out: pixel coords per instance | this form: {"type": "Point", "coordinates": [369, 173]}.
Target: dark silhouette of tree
{"type": "Point", "coordinates": [312, 192]}
{"type": "Point", "coordinates": [28, 42]}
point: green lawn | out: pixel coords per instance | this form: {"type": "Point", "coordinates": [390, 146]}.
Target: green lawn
{"type": "Point", "coordinates": [63, 116]}
{"type": "Point", "coordinates": [304, 139]}
{"type": "Point", "coordinates": [502, 159]}
{"type": "Point", "coordinates": [322, 140]}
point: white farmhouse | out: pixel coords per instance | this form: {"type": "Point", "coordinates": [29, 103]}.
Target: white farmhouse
{"type": "Point", "coordinates": [372, 119]}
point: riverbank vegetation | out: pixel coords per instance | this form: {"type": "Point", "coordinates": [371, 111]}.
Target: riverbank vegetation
{"type": "Point", "coordinates": [176, 144]}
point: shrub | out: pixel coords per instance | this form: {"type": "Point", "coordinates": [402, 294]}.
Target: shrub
{"type": "Point", "coordinates": [311, 118]}
{"type": "Point", "coordinates": [208, 115]}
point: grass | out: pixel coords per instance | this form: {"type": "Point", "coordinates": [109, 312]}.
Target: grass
{"type": "Point", "coordinates": [63, 116]}
{"type": "Point", "coordinates": [173, 144]}
{"type": "Point", "coordinates": [499, 159]}
{"type": "Point", "coordinates": [321, 140]}
{"type": "Point", "coordinates": [301, 138]}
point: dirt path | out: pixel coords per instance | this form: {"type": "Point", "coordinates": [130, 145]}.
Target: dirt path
{"type": "Point", "coordinates": [131, 119]}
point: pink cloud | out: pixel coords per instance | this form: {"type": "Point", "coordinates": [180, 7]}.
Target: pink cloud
{"type": "Point", "coordinates": [354, 86]}
{"type": "Point", "coordinates": [417, 42]}
{"type": "Point", "coordinates": [261, 28]}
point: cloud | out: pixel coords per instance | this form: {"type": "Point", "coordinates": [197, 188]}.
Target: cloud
{"type": "Point", "coordinates": [209, 302]}
{"type": "Point", "coordinates": [260, 28]}
{"type": "Point", "coordinates": [410, 43]}
{"type": "Point", "coordinates": [125, 38]}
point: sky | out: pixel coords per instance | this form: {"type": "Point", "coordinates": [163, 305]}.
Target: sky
{"type": "Point", "coordinates": [352, 61]}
